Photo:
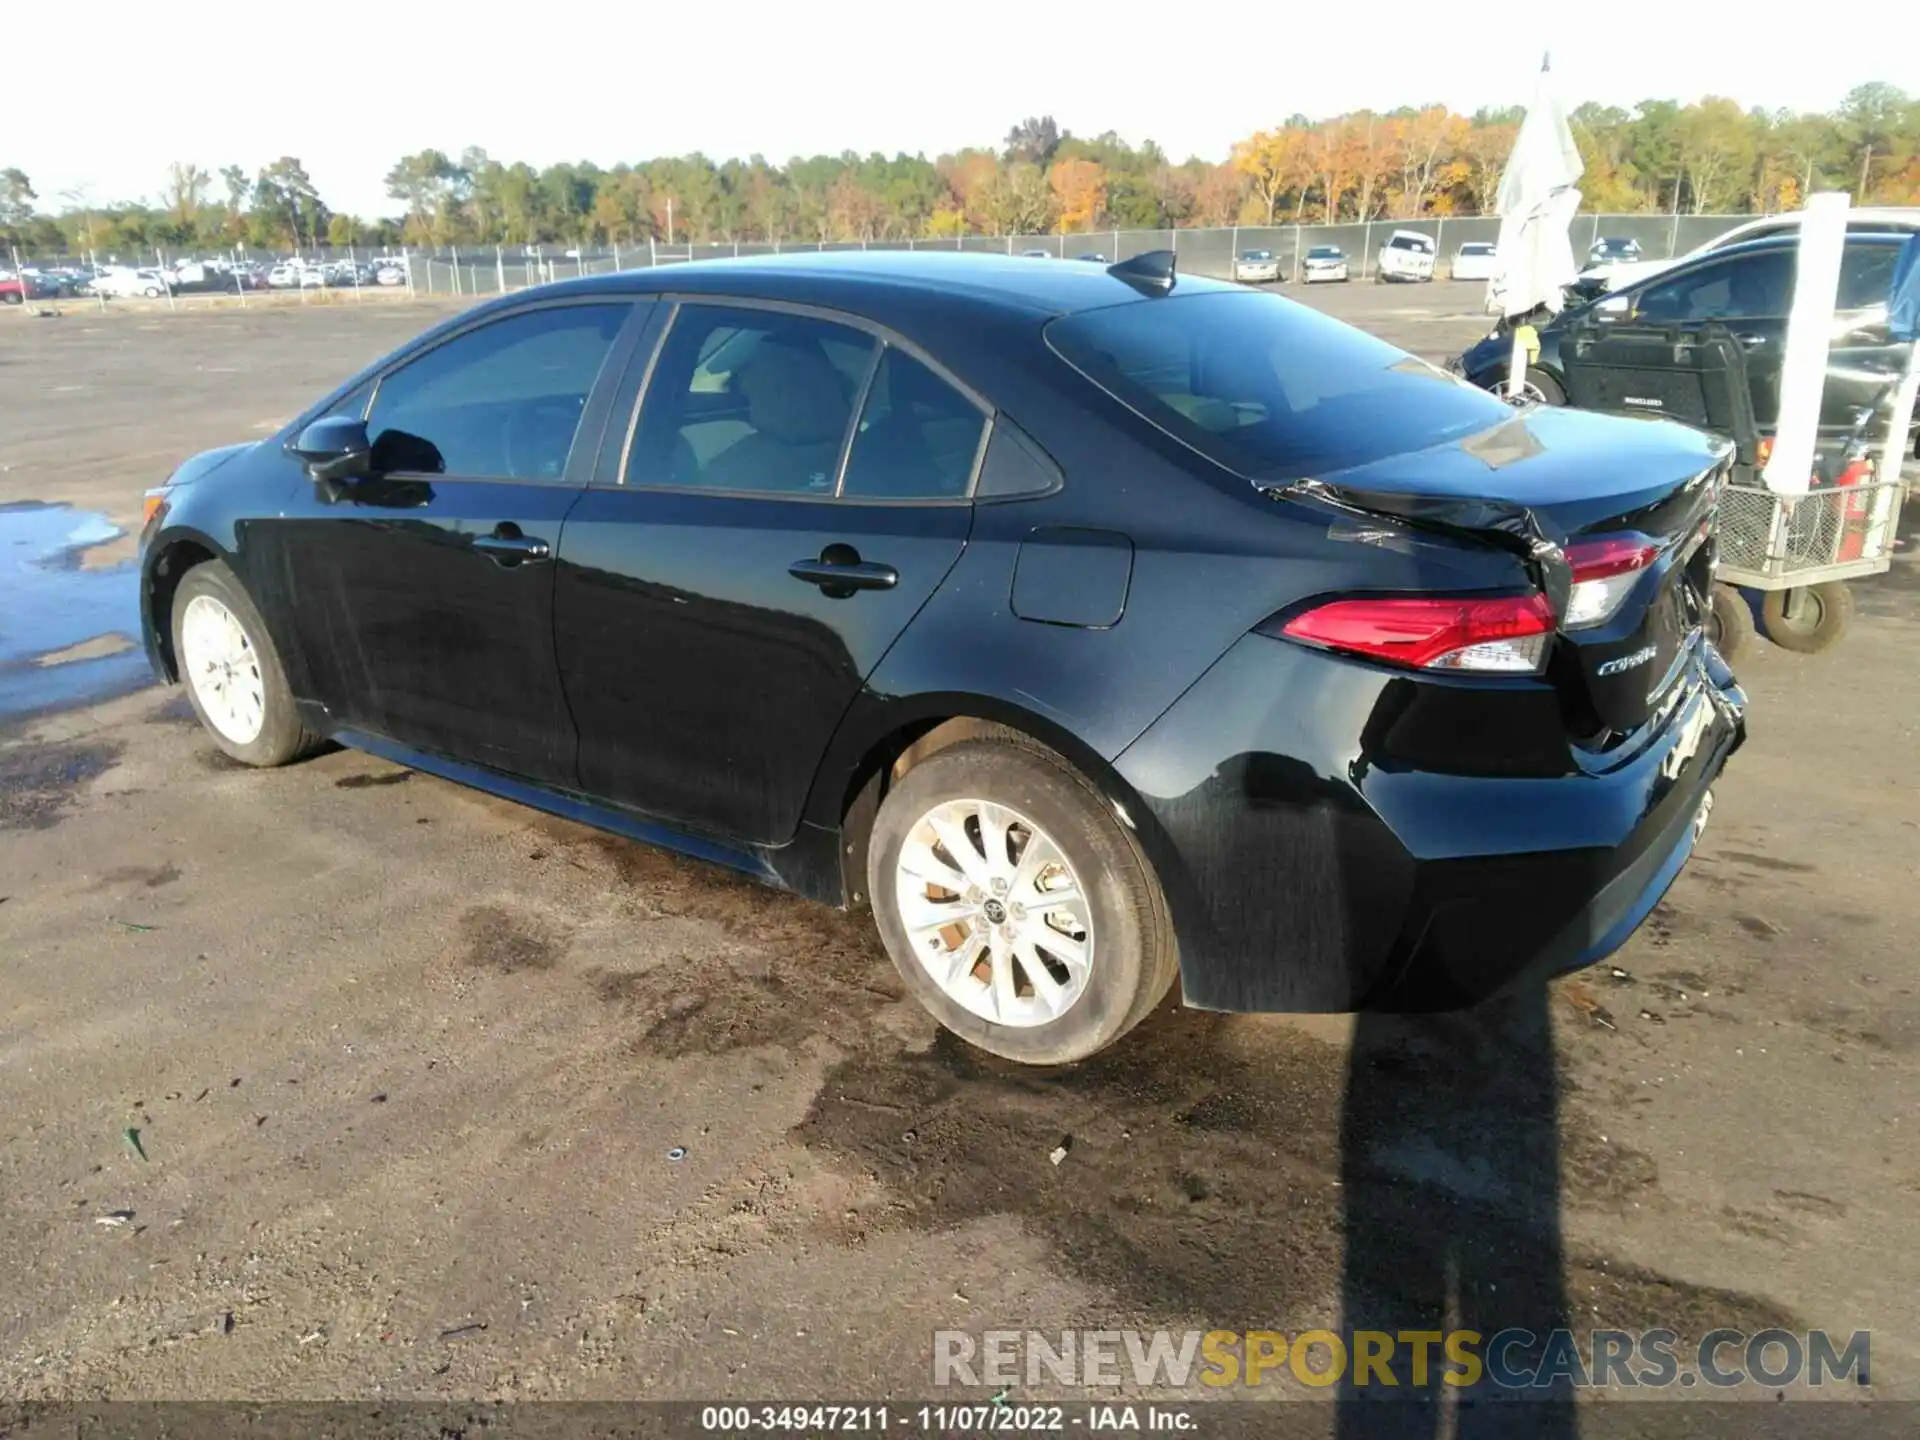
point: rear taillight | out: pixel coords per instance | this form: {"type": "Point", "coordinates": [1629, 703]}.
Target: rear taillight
{"type": "Point", "coordinates": [1604, 574]}
{"type": "Point", "coordinates": [1503, 635]}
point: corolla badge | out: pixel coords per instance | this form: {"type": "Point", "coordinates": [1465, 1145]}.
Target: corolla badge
{"type": "Point", "coordinates": [1625, 663]}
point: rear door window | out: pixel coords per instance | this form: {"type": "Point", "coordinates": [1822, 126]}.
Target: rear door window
{"type": "Point", "coordinates": [918, 437]}
{"type": "Point", "coordinates": [1268, 388]}
{"type": "Point", "coordinates": [749, 401]}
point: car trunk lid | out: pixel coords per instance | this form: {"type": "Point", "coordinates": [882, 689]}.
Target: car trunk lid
{"type": "Point", "coordinates": [1613, 520]}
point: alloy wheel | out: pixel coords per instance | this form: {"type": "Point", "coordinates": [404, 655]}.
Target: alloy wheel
{"type": "Point", "coordinates": [995, 912]}
{"type": "Point", "coordinates": [220, 663]}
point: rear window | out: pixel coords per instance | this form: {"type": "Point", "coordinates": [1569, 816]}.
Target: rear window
{"type": "Point", "coordinates": [1268, 388]}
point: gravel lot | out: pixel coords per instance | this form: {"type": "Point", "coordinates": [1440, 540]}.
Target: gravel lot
{"type": "Point", "coordinates": [406, 1063]}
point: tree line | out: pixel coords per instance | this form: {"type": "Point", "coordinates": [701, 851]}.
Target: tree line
{"type": "Point", "coordinates": [1710, 157]}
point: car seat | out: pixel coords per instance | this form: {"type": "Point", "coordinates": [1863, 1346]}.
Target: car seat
{"type": "Point", "coordinates": [798, 408]}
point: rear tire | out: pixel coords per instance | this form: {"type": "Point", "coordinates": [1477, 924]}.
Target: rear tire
{"type": "Point", "coordinates": [1824, 613]}
{"type": "Point", "coordinates": [1729, 622]}
{"type": "Point", "coordinates": [1107, 947]}
{"type": "Point", "coordinates": [234, 679]}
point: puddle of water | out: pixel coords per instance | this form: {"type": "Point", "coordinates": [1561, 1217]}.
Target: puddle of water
{"type": "Point", "coordinates": [69, 635]}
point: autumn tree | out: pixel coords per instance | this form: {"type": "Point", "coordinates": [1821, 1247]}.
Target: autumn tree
{"type": "Point", "coordinates": [1079, 194]}
{"type": "Point", "coordinates": [1714, 143]}
{"type": "Point", "coordinates": [1423, 143]}
{"type": "Point", "coordinates": [1273, 163]}
{"type": "Point", "coordinates": [1019, 202]}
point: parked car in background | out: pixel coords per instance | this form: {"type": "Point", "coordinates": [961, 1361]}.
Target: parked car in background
{"type": "Point", "coordinates": [1094, 256]}
{"type": "Point", "coordinates": [1748, 289]}
{"type": "Point", "coordinates": [1407, 255]}
{"type": "Point", "coordinates": [836, 613]}
{"type": "Point", "coordinates": [1613, 250]}
{"type": "Point", "coordinates": [312, 277]}
{"type": "Point", "coordinates": [388, 272]}
{"type": "Point", "coordinates": [284, 275]}
{"type": "Point", "coordinates": [13, 290]}
{"type": "Point", "coordinates": [1323, 262]}
{"type": "Point", "coordinates": [1870, 220]}
{"type": "Point", "coordinates": [1257, 267]}
{"type": "Point", "coordinates": [149, 284]}
{"type": "Point", "coordinates": [1036, 254]}
{"type": "Point", "coordinates": [1473, 261]}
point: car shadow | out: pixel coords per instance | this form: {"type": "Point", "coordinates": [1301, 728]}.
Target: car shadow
{"type": "Point", "coordinates": [1450, 1161]}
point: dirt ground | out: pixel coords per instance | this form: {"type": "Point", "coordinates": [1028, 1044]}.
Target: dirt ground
{"type": "Point", "coordinates": [341, 1081]}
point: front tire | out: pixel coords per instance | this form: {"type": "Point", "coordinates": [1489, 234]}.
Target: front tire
{"type": "Point", "coordinates": [234, 679]}
{"type": "Point", "coordinates": [1016, 909]}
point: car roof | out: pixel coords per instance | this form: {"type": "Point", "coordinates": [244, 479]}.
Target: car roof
{"type": "Point", "coordinates": [1788, 241]}
{"type": "Point", "coordinates": [877, 281]}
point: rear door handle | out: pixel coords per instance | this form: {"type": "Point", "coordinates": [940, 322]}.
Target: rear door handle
{"type": "Point", "coordinates": [512, 549]}
{"type": "Point", "coordinates": [840, 571]}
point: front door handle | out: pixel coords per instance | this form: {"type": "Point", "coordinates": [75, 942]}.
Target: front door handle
{"type": "Point", "coordinates": [840, 571]}
{"type": "Point", "coordinates": [509, 550]}
{"type": "Point", "coordinates": [1752, 342]}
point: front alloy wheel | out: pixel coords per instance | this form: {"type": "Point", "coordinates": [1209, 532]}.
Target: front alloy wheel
{"type": "Point", "coordinates": [233, 675]}
{"type": "Point", "coordinates": [219, 662]}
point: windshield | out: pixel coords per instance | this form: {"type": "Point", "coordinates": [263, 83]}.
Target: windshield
{"type": "Point", "coordinates": [1323, 252]}
{"type": "Point", "coordinates": [1268, 388]}
{"type": "Point", "coordinates": [1258, 255]}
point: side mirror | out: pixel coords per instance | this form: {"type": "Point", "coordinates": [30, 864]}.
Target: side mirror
{"type": "Point", "coordinates": [335, 449]}
{"type": "Point", "coordinates": [1616, 307]}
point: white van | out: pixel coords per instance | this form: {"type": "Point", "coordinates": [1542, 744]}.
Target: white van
{"type": "Point", "coordinates": [1407, 255]}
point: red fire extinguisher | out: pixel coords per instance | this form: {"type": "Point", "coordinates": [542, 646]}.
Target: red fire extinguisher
{"type": "Point", "coordinates": [1855, 509]}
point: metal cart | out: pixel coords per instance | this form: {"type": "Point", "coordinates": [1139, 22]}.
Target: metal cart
{"type": "Point", "coordinates": [1799, 551]}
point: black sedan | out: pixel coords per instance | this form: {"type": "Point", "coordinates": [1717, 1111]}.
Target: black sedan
{"type": "Point", "coordinates": [1099, 628]}
{"type": "Point", "coordinates": [1748, 288]}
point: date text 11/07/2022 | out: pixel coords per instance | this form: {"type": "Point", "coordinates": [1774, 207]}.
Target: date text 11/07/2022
{"type": "Point", "coordinates": [984, 1417]}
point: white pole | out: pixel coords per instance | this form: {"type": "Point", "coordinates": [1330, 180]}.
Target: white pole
{"type": "Point", "coordinates": [354, 265]}
{"type": "Point", "coordinates": [166, 283]}
{"type": "Point", "coordinates": [1517, 362]}
{"type": "Point", "coordinates": [406, 266]}
{"type": "Point", "coordinates": [1804, 354]}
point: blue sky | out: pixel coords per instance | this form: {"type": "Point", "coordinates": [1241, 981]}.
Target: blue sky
{"type": "Point", "coordinates": [350, 88]}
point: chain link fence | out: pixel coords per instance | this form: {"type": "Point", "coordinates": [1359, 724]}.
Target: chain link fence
{"type": "Point", "coordinates": [490, 270]}
{"type": "Point", "coordinates": [496, 269]}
